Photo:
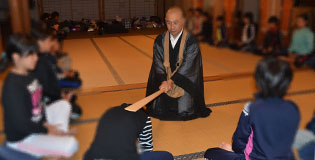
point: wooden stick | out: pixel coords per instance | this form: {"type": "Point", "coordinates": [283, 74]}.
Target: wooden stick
{"type": "Point", "coordinates": [136, 106]}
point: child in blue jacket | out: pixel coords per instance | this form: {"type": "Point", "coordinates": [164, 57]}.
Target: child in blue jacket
{"type": "Point", "coordinates": [267, 126]}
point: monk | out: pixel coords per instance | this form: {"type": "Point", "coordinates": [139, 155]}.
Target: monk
{"type": "Point", "coordinates": [177, 70]}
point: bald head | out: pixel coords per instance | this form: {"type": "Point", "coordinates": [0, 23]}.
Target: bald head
{"type": "Point", "coordinates": [175, 20]}
{"type": "Point", "coordinates": [176, 10]}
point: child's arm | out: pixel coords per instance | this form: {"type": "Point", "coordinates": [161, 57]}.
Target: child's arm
{"type": "Point", "coordinates": [145, 137]}
{"type": "Point", "coordinates": [242, 131]}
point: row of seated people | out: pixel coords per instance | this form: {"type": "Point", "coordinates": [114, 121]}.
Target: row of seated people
{"type": "Point", "coordinates": [300, 51]}
{"type": "Point", "coordinates": [37, 127]}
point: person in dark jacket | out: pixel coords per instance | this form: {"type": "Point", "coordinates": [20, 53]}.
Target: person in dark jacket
{"type": "Point", "coordinates": [206, 33]}
{"type": "Point", "coordinates": [45, 74]}
{"type": "Point", "coordinates": [273, 38]}
{"type": "Point", "coordinates": [117, 134]}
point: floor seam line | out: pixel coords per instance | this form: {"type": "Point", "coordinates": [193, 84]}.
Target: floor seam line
{"type": "Point", "coordinates": [138, 49]}
{"type": "Point", "coordinates": [149, 37]}
{"type": "Point", "coordinates": [114, 73]}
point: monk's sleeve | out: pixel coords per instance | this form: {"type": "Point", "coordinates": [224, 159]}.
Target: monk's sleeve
{"type": "Point", "coordinates": [157, 72]}
{"type": "Point", "coordinates": [191, 69]}
{"type": "Point", "coordinates": [158, 60]}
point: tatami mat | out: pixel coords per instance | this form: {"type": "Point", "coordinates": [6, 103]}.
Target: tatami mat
{"type": "Point", "coordinates": [130, 64]}
{"type": "Point", "coordinates": [143, 43]}
{"type": "Point", "coordinates": [89, 63]}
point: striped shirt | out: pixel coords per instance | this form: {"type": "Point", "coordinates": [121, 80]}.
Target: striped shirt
{"type": "Point", "coordinates": [145, 138]}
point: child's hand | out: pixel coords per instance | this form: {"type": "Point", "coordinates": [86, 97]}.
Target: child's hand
{"type": "Point", "coordinates": [53, 129]}
{"type": "Point", "coordinates": [67, 96]}
{"type": "Point", "coordinates": [69, 73]}
{"type": "Point", "coordinates": [226, 147]}
{"type": "Point", "coordinates": [72, 132]}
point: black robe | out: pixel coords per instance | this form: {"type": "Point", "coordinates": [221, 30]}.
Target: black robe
{"type": "Point", "coordinates": [189, 77]}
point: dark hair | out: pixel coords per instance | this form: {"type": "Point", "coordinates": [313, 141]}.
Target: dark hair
{"type": "Point", "coordinates": [249, 16]}
{"type": "Point", "coordinates": [54, 14]}
{"type": "Point", "coordinates": [273, 20]}
{"type": "Point", "coordinates": [23, 45]}
{"type": "Point", "coordinates": [273, 77]}
{"type": "Point", "coordinates": [44, 16]}
{"type": "Point", "coordinates": [41, 34]}
{"type": "Point", "coordinates": [304, 17]}
{"type": "Point", "coordinates": [237, 14]}
{"type": "Point", "coordinates": [51, 23]}
{"type": "Point", "coordinates": [191, 10]}
{"type": "Point", "coordinates": [199, 10]}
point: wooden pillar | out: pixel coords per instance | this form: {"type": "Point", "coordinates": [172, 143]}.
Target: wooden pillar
{"type": "Point", "coordinates": [268, 8]}
{"type": "Point", "coordinates": [20, 16]}
{"type": "Point", "coordinates": [197, 3]}
{"type": "Point", "coordinates": [229, 9]}
{"type": "Point", "coordinates": [101, 10]}
{"type": "Point", "coordinates": [26, 16]}
{"type": "Point", "coordinates": [286, 15]}
{"type": "Point", "coordinates": [40, 7]}
{"type": "Point", "coordinates": [264, 13]}
{"type": "Point", "coordinates": [16, 16]}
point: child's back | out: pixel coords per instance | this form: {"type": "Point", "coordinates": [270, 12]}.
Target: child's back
{"type": "Point", "coordinates": [267, 126]}
{"type": "Point", "coordinates": [270, 125]}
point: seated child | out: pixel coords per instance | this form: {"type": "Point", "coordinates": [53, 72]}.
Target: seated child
{"type": "Point", "coordinates": [53, 26]}
{"type": "Point", "coordinates": [117, 133]}
{"type": "Point", "coordinates": [273, 39]}
{"type": "Point", "coordinates": [221, 33]}
{"type": "Point", "coordinates": [268, 125]}
{"type": "Point", "coordinates": [206, 33]}
{"type": "Point", "coordinates": [44, 72]}
{"type": "Point", "coordinates": [302, 43]}
{"type": "Point", "coordinates": [248, 38]}
{"type": "Point", "coordinates": [31, 127]}
{"type": "Point", "coordinates": [67, 78]}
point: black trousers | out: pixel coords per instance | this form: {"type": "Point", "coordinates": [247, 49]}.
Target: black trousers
{"type": "Point", "coordinates": [221, 154]}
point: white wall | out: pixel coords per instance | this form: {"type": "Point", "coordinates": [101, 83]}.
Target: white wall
{"type": "Point", "coordinates": [252, 6]}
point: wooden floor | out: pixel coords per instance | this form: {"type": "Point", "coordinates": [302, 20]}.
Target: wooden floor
{"type": "Point", "coordinates": [115, 69]}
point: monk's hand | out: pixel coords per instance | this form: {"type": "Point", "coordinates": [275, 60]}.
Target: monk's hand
{"type": "Point", "coordinates": [170, 84]}
{"type": "Point", "coordinates": [226, 146]}
{"type": "Point", "coordinates": [164, 86]}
